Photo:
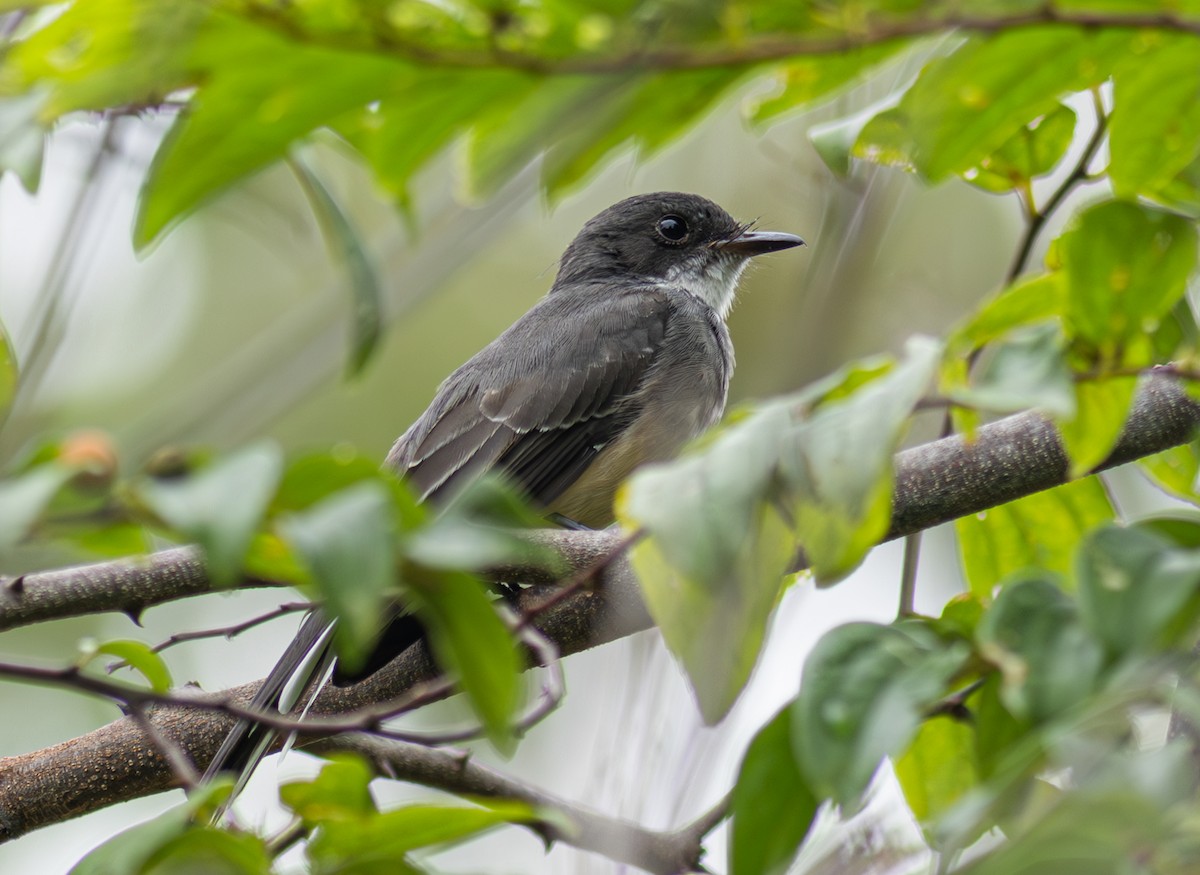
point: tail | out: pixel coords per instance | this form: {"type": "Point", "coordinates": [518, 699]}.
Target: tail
{"type": "Point", "coordinates": [307, 659]}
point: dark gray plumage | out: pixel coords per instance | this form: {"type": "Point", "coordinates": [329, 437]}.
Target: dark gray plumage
{"type": "Point", "coordinates": [625, 360]}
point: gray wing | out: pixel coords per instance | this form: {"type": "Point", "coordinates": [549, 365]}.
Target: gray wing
{"type": "Point", "coordinates": [542, 400]}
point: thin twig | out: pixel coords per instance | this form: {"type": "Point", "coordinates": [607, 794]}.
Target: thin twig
{"type": "Point", "coordinates": [1079, 174]}
{"type": "Point", "coordinates": [908, 576]}
{"type": "Point", "coordinates": [226, 632]}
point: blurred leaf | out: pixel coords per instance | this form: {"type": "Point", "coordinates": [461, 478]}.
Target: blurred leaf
{"type": "Point", "coordinates": [508, 136]}
{"type": "Point", "coordinates": [354, 836]}
{"type": "Point", "coordinates": [220, 506]}
{"type": "Point", "coordinates": [473, 644]}
{"type": "Point", "coordinates": [1127, 265]}
{"type": "Point", "coordinates": [422, 114]}
{"type": "Point", "coordinates": [130, 851]}
{"type": "Point", "coordinates": [1181, 528]}
{"type": "Point", "coordinates": [103, 54]}
{"type": "Point", "coordinates": [211, 851]}
{"type": "Point", "coordinates": [388, 836]}
{"type": "Point", "coordinates": [716, 554]}
{"type": "Point", "coordinates": [1031, 152]}
{"type": "Point", "coordinates": [966, 106]}
{"type": "Point", "coordinates": [1026, 371]}
{"type": "Point", "coordinates": [308, 479]}
{"type": "Point", "coordinates": [270, 557]}
{"type": "Point", "coordinates": [1041, 531]}
{"type": "Point", "coordinates": [883, 140]}
{"type": "Point", "coordinates": [835, 141]}
{"type": "Point", "coordinates": [347, 542]}
{"type": "Point", "coordinates": [262, 93]}
{"type": "Point", "coordinates": [938, 768]}
{"type": "Point", "coordinates": [1112, 834]}
{"type": "Point", "coordinates": [1024, 304]}
{"type": "Point", "coordinates": [343, 239]}
{"type": "Point", "coordinates": [1136, 592]}
{"type": "Point", "coordinates": [340, 791]}
{"type": "Point", "coordinates": [22, 143]}
{"type": "Point", "coordinates": [1154, 132]}
{"type": "Point", "coordinates": [1049, 660]}
{"type": "Point", "coordinates": [1101, 408]}
{"type": "Point", "coordinates": [837, 464]}
{"type": "Point", "coordinates": [772, 805]}
{"type": "Point", "coordinates": [649, 112]}
{"type": "Point", "coordinates": [141, 658]}
{"type": "Point", "coordinates": [24, 498]}
{"type": "Point", "coordinates": [803, 80]}
{"type": "Point", "coordinates": [998, 732]}
{"type": "Point", "coordinates": [865, 691]}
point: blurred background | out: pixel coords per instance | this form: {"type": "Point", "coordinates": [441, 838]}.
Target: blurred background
{"type": "Point", "coordinates": [237, 326]}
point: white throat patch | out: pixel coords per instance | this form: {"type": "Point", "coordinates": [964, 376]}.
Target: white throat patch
{"type": "Point", "coordinates": [713, 281]}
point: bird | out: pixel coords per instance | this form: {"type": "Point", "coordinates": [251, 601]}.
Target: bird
{"type": "Point", "coordinates": [624, 361]}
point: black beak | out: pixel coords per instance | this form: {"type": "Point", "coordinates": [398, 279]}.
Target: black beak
{"type": "Point", "coordinates": [757, 242]}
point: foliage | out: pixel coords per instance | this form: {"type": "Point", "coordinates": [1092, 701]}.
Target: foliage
{"type": "Point", "coordinates": [1075, 627]}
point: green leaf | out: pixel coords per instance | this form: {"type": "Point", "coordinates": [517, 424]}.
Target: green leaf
{"type": "Point", "coordinates": [713, 563]}
{"type": "Point", "coordinates": [1154, 132]}
{"type": "Point", "coordinates": [1136, 592]}
{"type": "Point", "coordinates": [309, 479]}
{"type": "Point", "coordinates": [803, 80]}
{"type": "Point", "coordinates": [211, 851]}
{"type": "Point", "coordinates": [510, 135]}
{"type": "Point", "coordinates": [389, 836]}
{"type": "Point", "coordinates": [836, 141]}
{"type": "Point", "coordinates": [130, 852]}
{"type": "Point", "coordinates": [1180, 527]}
{"type": "Point", "coordinates": [772, 805]}
{"type": "Point", "coordinates": [864, 693]}
{"type": "Point", "coordinates": [1040, 531]}
{"type": "Point", "coordinates": [142, 658]}
{"type": "Point", "coordinates": [1049, 660]}
{"type": "Point", "coordinates": [8, 374]}
{"type": "Point", "coordinates": [1127, 265]}
{"type": "Point", "coordinates": [472, 643]}
{"type": "Point", "coordinates": [883, 140]}
{"type": "Point", "coordinates": [423, 114]}
{"type": "Point", "coordinates": [340, 791]}
{"type": "Point", "coordinates": [1086, 834]}
{"type": "Point", "coordinates": [220, 506]}
{"type": "Point", "coordinates": [1029, 302]}
{"type": "Point", "coordinates": [1101, 408]}
{"type": "Point", "coordinates": [343, 240]}
{"type": "Point", "coordinates": [261, 94]}
{"type": "Point", "coordinates": [25, 497]}
{"type": "Point", "coordinates": [837, 464]}
{"type": "Point", "coordinates": [354, 834]}
{"type": "Point", "coordinates": [938, 768]}
{"type": "Point", "coordinates": [22, 143]}
{"type": "Point", "coordinates": [348, 543]}
{"type": "Point", "coordinates": [1026, 371]}
{"type": "Point", "coordinates": [103, 54]}
{"type": "Point", "coordinates": [1031, 152]}
{"type": "Point", "coordinates": [649, 112]}
{"type": "Point", "coordinates": [966, 106]}
{"type": "Point", "coordinates": [1174, 471]}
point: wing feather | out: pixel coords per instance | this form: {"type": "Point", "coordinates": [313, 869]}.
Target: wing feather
{"type": "Point", "coordinates": [542, 400]}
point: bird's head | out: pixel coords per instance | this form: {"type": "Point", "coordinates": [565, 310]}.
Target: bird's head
{"type": "Point", "coordinates": [671, 238]}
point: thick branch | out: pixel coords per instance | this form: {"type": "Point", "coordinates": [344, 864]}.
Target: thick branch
{"type": "Point", "coordinates": [935, 483]}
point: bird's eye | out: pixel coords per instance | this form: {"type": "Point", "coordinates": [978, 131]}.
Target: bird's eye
{"type": "Point", "coordinates": [673, 229]}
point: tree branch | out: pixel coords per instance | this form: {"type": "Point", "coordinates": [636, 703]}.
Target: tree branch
{"type": "Point", "coordinates": [389, 41]}
{"type": "Point", "coordinates": [935, 483]}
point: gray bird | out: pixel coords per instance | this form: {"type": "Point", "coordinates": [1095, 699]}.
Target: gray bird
{"type": "Point", "coordinates": [625, 360]}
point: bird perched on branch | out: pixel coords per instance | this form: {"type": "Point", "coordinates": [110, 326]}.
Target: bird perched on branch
{"type": "Point", "coordinates": [625, 360]}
